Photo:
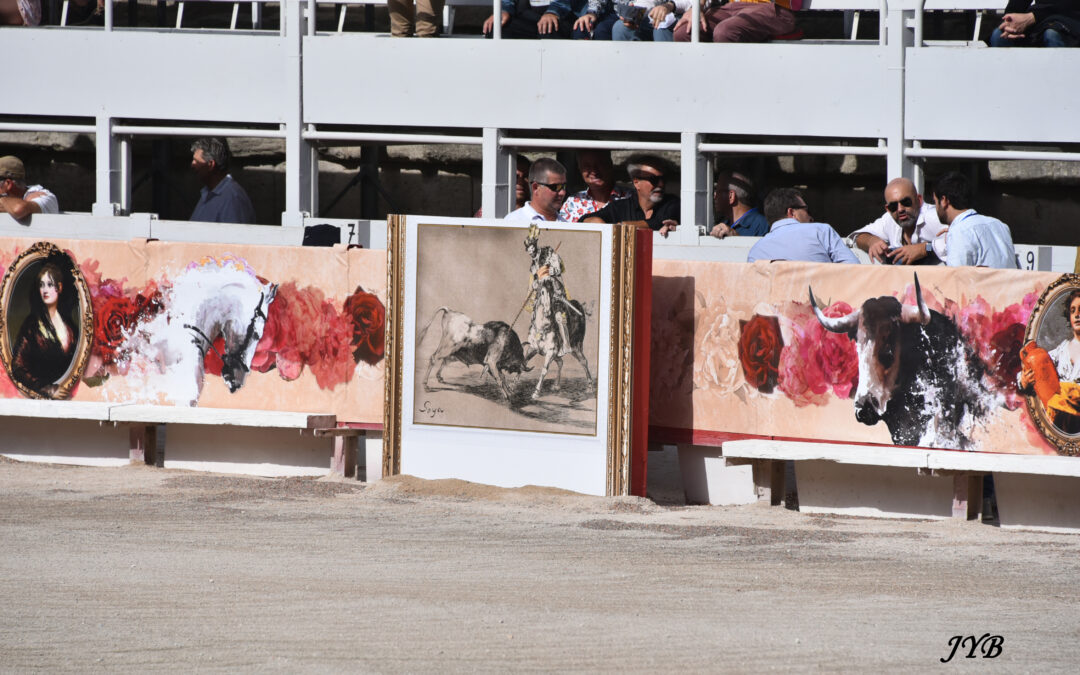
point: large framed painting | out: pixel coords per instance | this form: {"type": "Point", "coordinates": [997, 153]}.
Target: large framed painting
{"type": "Point", "coordinates": [1050, 358]}
{"type": "Point", "coordinates": [46, 322]}
{"type": "Point", "coordinates": [512, 352]}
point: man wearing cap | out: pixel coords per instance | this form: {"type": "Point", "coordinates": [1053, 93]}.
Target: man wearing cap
{"type": "Point", "coordinates": [16, 198]}
{"type": "Point", "coordinates": [908, 233]}
{"type": "Point", "coordinates": [733, 204]}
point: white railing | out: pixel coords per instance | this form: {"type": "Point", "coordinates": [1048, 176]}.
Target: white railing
{"type": "Point", "coordinates": [879, 99]}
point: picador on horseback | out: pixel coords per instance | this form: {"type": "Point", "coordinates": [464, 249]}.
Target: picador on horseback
{"type": "Point", "coordinates": [547, 268]}
{"type": "Point", "coordinates": [558, 323]}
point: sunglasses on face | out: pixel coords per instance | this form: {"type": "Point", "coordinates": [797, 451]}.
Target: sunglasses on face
{"type": "Point", "coordinates": [796, 207]}
{"type": "Point", "coordinates": [653, 179]}
{"type": "Point", "coordinates": [554, 187]}
{"type": "Point", "coordinates": [906, 202]}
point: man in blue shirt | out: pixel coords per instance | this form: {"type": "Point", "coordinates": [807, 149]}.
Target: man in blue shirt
{"type": "Point", "coordinates": [973, 239]}
{"type": "Point", "coordinates": [221, 200]}
{"type": "Point", "coordinates": [795, 235]}
{"type": "Point", "coordinates": [733, 202]}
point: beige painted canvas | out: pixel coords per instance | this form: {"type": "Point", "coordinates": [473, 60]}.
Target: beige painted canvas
{"type": "Point", "coordinates": [490, 352]}
{"type": "Point", "coordinates": [737, 348]}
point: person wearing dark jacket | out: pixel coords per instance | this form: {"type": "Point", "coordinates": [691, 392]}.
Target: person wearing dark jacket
{"type": "Point", "coordinates": [1050, 23]}
{"type": "Point", "coordinates": [649, 203]}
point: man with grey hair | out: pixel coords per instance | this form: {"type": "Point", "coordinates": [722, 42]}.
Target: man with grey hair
{"type": "Point", "coordinates": [733, 203]}
{"type": "Point", "coordinates": [547, 190]}
{"type": "Point", "coordinates": [651, 204]}
{"type": "Point", "coordinates": [19, 200]}
{"type": "Point", "coordinates": [221, 200]}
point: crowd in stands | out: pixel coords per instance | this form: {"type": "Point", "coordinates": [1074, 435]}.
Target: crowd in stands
{"type": "Point", "coordinates": [909, 232]}
{"type": "Point", "coordinates": [1042, 23]}
{"type": "Point", "coordinates": [221, 200]}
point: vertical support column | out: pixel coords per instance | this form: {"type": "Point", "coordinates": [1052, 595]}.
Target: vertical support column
{"type": "Point", "coordinates": [899, 38]}
{"type": "Point", "coordinates": [142, 445]}
{"type": "Point", "coordinates": [967, 496]}
{"type": "Point", "coordinates": [298, 152]}
{"type": "Point", "coordinates": [498, 177]}
{"type": "Point", "coordinates": [124, 179]}
{"type": "Point", "coordinates": [107, 170]}
{"type": "Point", "coordinates": [695, 190]}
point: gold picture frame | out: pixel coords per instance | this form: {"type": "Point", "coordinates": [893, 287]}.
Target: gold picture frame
{"type": "Point", "coordinates": [615, 428]}
{"type": "Point", "coordinates": [31, 342]}
{"type": "Point", "coordinates": [1049, 328]}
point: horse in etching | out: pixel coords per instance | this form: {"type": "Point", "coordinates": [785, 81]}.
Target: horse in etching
{"type": "Point", "coordinates": [218, 299]}
{"type": "Point", "coordinates": [544, 338]}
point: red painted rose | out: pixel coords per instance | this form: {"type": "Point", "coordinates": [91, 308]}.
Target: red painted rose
{"type": "Point", "coordinates": [760, 343]}
{"type": "Point", "coordinates": [368, 316]}
{"type": "Point", "coordinates": [113, 319]}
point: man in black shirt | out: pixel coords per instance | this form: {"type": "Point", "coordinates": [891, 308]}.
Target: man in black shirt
{"type": "Point", "coordinates": [661, 211]}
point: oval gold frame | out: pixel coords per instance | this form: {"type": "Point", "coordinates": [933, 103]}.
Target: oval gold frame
{"type": "Point", "coordinates": [40, 252]}
{"type": "Point", "coordinates": [1067, 444]}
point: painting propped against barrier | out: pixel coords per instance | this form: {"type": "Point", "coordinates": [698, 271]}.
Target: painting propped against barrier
{"type": "Point", "coordinates": [867, 354]}
{"type": "Point", "coordinates": [217, 326]}
{"type": "Point", "coordinates": [511, 353]}
{"type": "Point", "coordinates": [506, 328]}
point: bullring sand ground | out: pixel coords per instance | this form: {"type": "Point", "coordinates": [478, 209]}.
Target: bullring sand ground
{"type": "Point", "coordinates": [139, 569]}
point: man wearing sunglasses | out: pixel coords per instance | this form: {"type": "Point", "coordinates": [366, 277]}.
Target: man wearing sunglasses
{"type": "Point", "coordinates": [795, 235]}
{"type": "Point", "coordinates": [547, 185]}
{"type": "Point", "coordinates": [650, 203]}
{"type": "Point", "coordinates": [909, 232]}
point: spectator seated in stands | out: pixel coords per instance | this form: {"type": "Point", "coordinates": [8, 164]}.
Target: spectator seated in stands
{"type": "Point", "coordinates": [973, 239]}
{"type": "Point", "coordinates": [16, 198]}
{"type": "Point", "coordinates": [647, 20]}
{"type": "Point", "coordinates": [744, 21]}
{"type": "Point", "coordinates": [596, 20]}
{"type": "Point", "coordinates": [599, 175]}
{"type": "Point", "coordinates": [421, 18]}
{"type": "Point", "coordinates": [908, 233]}
{"type": "Point", "coordinates": [521, 185]}
{"type": "Point", "coordinates": [20, 12]}
{"type": "Point", "coordinates": [523, 20]}
{"type": "Point", "coordinates": [733, 202]}
{"type": "Point", "coordinates": [661, 211]}
{"type": "Point", "coordinates": [1054, 23]}
{"type": "Point", "coordinates": [547, 184]}
{"type": "Point", "coordinates": [221, 200]}
{"type": "Point", "coordinates": [795, 235]}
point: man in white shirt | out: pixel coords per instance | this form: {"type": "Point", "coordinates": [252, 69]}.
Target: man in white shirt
{"type": "Point", "coordinates": [547, 190]}
{"type": "Point", "coordinates": [908, 233]}
{"type": "Point", "coordinates": [974, 239]}
{"type": "Point", "coordinates": [17, 198]}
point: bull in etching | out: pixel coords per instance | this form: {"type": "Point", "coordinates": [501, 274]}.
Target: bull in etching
{"type": "Point", "coordinates": [916, 372]}
{"type": "Point", "coordinates": [493, 344]}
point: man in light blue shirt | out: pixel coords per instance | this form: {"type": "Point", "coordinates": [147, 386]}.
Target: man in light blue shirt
{"type": "Point", "coordinates": [795, 235]}
{"type": "Point", "coordinates": [973, 239]}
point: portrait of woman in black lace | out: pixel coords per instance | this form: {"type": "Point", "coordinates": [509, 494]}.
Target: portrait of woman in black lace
{"type": "Point", "coordinates": [45, 345]}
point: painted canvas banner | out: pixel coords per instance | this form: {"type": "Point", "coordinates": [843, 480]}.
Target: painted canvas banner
{"type": "Point", "coordinates": [257, 327]}
{"type": "Point", "coordinates": [966, 359]}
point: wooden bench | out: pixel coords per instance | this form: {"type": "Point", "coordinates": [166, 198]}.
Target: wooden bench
{"type": "Point", "coordinates": [1033, 491]}
{"type": "Point", "coordinates": [147, 426]}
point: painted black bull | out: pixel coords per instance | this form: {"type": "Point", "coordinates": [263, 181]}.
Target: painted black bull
{"type": "Point", "coordinates": [916, 372]}
{"type": "Point", "coordinates": [493, 344]}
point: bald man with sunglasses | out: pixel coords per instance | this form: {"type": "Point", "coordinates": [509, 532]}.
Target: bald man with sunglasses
{"type": "Point", "coordinates": [909, 233]}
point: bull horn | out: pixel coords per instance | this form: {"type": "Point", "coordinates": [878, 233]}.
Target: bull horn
{"type": "Point", "coordinates": [918, 314]}
{"type": "Point", "coordinates": [839, 324]}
